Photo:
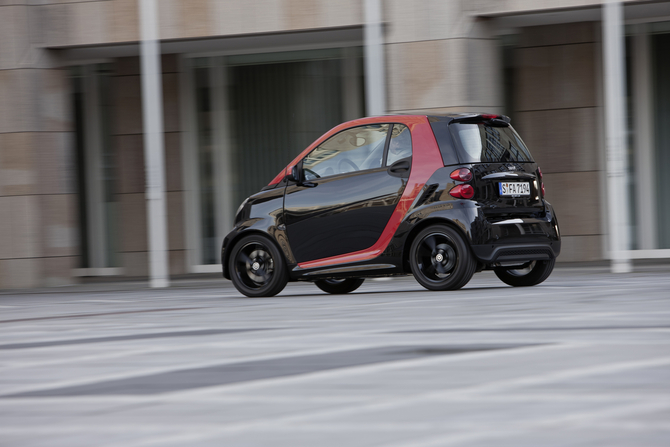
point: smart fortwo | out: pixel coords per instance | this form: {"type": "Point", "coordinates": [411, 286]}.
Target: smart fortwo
{"type": "Point", "coordinates": [438, 197]}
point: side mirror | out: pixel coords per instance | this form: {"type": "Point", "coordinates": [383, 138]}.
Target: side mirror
{"type": "Point", "coordinates": [295, 176]}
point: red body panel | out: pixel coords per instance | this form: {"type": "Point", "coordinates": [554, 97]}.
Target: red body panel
{"type": "Point", "coordinates": [426, 159]}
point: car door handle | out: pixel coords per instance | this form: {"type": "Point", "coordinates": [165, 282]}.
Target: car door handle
{"type": "Point", "coordinates": [399, 168]}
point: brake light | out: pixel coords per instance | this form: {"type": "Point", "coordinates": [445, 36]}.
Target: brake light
{"type": "Point", "coordinates": [539, 171]}
{"type": "Point", "coordinates": [461, 175]}
{"type": "Point", "coordinates": [489, 117]}
{"type": "Point", "coordinates": [462, 191]}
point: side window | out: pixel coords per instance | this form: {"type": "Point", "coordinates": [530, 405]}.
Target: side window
{"type": "Point", "coordinates": [355, 149]}
{"type": "Point", "coordinates": [401, 144]}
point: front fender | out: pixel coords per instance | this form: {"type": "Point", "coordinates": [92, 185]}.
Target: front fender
{"type": "Point", "coordinates": [262, 213]}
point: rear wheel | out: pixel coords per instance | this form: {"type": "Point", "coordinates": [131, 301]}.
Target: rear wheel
{"type": "Point", "coordinates": [257, 267]}
{"type": "Point", "coordinates": [531, 275]}
{"type": "Point", "coordinates": [440, 259]}
{"type": "Point", "coordinates": [339, 286]}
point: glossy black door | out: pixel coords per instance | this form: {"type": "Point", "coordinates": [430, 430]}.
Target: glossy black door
{"type": "Point", "coordinates": [340, 214]}
{"type": "Point", "coordinates": [354, 180]}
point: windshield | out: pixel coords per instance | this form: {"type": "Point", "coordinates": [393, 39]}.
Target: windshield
{"type": "Point", "coordinates": [493, 144]}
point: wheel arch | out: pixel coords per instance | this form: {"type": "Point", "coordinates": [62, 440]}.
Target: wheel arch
{"type": "Point", "coordinates": [227, 247]}
{"type": "Point", "coordinates": [416, 229]}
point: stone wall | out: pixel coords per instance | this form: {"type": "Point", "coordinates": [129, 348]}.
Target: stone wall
{"type": "Point", "coordinates": [129, 147]}
{"type": "Point", "coordinates": [440, 58]}
{"type": "Point", "coordinates": [557, 114]}
{"type": "Point", "coordinates": [502, 7]}
{"type": "Point", "coordinates": [94, 22]}
{"type": "Point", "coordinates": [38, 229]}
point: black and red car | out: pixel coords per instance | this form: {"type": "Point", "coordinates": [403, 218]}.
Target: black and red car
{"type": "Point", "coordinates": [440, 197]}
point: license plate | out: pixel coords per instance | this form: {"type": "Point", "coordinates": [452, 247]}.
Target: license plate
{"type": "Point", "coordinates": [514, 189]}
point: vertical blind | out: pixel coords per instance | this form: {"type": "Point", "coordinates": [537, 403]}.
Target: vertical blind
{"type": "Point", "coordinates": [661, 50]}
{"type": "Point", "coordinates": [276, 110]}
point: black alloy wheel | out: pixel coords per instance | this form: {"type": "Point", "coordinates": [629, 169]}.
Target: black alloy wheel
{"type": "Point", "coordinates": [257, 267]}
{"type": "Point", "coordinates": [440, 259]}
{"type": "Point", "coordinates": [339, 286]}
{"type": "Point", "coordinates": [531, 275]}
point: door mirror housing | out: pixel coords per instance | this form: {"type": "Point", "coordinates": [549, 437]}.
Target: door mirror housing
{"type": "Point", "coordinates": [295, 175]}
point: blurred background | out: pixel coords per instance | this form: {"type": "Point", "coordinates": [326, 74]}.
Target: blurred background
{"type": "Point", "coordinates": [246, 86]}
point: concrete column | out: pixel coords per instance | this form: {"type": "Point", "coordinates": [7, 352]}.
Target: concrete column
{"type": "Point", "coordinates": [154, 152]}
{"type": "Point", "coordinates": [615, 136]}
{"type": "Point", "coordinates": [375, 73]}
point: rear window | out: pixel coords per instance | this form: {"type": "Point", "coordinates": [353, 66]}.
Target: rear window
{"type": "Point", "coordinates": [477, 143]}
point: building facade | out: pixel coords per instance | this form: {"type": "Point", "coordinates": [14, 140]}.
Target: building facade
{"type": "Point", "coordinates": [248, 85]}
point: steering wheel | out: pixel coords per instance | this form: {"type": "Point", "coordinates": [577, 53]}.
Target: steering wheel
{"type": "Point", "coordinates": [309, 171]}
{"type": "Point", "coordinates": [346, 161]}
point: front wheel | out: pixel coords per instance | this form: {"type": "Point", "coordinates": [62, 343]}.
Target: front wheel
{"type": "Point", "coordinates": [440, 259]}
{"type": "Point", "coordinates": [257, 267]}
{"type": "Point", "coordinates": [339, 286]}
{"type": "Point", "coordinates": [535, 273]}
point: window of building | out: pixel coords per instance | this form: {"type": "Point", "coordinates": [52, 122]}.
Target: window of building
{"type": "Point", "coordinates": [247, 117]}
{"type": "Point", "coordinates": [661, 74]}
{"type": "Point", "coordinates": [96, 166]}
{"type": "Point", "coordinates": [648, 69]}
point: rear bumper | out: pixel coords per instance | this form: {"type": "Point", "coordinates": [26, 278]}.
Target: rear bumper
{"type": "Point", "coordinates": [517, 239]}
{"type": "Point", "coordinates": [490, 254]}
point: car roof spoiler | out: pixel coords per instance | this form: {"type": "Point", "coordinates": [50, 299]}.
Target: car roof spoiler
{"type": "Point", "coordinates": [495, 120]}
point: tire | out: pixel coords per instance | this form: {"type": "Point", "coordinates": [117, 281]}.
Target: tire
{"type": "Point", "coordinates": [533, 275]}
{"type": "Point", "coordinates": [339, 286]}
{"type": "Point", "coordinates": [257, 267]}
{"type": "Point", "coordinates": [440, 259]}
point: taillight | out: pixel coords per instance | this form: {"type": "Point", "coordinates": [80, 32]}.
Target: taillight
{"type": "Point", "coordinates": [461, 175]}
{"type": "Point", "coordinates": [462, 191]}
{"type": "Point", "coordinates": [539, 171]}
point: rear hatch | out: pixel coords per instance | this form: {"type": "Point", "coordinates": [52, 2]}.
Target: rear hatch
{"type": "Point", "coordinates": [506, 179]}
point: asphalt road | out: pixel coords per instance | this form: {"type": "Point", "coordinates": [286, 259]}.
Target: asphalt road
{"type": "Point", "coordinates": [583, 359]}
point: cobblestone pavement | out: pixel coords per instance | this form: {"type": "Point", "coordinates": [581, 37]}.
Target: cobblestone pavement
{"type": "Point", "coordinates": [583, 359]}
